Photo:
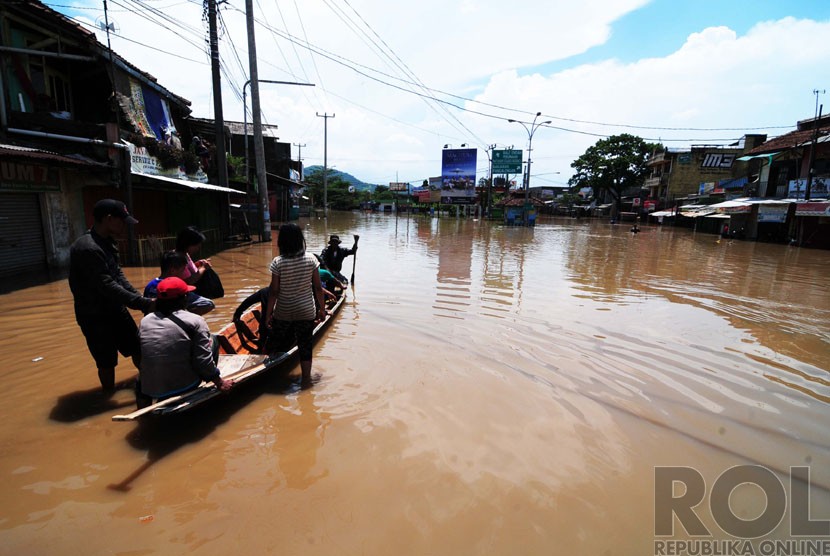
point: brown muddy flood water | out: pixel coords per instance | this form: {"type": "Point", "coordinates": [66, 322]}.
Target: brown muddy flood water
{"type": "Point", "coordinates": [485, 390]}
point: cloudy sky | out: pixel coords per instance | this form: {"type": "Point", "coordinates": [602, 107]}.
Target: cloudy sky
{"type": "Point", "coordinates": [404, 79]}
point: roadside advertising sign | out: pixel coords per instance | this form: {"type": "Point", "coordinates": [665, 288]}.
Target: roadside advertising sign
{"type": "Point", "coordinates": [458, 176]}
{"type": "Point", "coordinates": [507, 161]}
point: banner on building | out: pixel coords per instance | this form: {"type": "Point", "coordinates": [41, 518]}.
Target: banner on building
{"type": "Point", "coordinates": [144, 163]}
{"type": "Point", "coordinates": [773, 213]}
{"type": "Point", "coordinates": [818, 189]}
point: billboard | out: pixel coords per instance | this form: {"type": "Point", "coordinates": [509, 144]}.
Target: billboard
{"type": "Point", "coordinates": [398, 186]}
{"type": "Point", "coordinates": [458, 176]}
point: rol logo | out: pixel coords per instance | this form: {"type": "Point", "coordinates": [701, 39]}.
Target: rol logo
{"type": "Point", "coordinates": [684, 504]}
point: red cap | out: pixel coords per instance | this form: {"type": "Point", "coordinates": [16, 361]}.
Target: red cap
{"type": "Point", "coordinates": [173, 287]}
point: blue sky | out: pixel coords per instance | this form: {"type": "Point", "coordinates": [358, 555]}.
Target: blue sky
{"type": "Point", "coordinates": [665, 25]}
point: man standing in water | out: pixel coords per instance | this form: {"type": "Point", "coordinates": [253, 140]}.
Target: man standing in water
{"type": "Point", "coordinates": [102, 293]}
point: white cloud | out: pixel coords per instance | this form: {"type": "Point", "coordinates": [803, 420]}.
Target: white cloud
{"type": "Point", "coordinates": [481, 49]}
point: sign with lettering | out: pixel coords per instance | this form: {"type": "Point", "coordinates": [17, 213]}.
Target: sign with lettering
{"type": "Point", "coordinates": [718, 160]}
{"type": "Point", "coordinates": [25, 176]}
{"type": "Point", "coordinates": [508, 161]}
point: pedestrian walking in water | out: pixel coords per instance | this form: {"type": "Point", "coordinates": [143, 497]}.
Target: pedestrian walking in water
{"type": "Point", "coordinates": [102, 293]}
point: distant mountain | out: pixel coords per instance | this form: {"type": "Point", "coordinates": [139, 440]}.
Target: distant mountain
{"type": "Point", "coordinates": [345, 176]}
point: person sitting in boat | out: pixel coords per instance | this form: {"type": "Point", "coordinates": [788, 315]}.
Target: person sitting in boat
{"type": "Point", "coordinates": [333, 256]}
{"type": "Point", "coordinates": [177, 352]}
{"type": "Point", "coordinates": [173, 263]}
{"type": "Point", "coordinates": [329, 281]}
{"type": "Point", "coordinates": [189, 242]}
{"type": "Point", "coordinates": [297, 294]}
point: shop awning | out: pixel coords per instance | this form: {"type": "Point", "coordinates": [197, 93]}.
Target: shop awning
{"type": "Point", "coordinates": [189, 184]}
{"type": "Point", "coordinates": [751, 156]}
{"type": "Point", "coordinates": [696, 213]}
{"type": "Point", "coordinates": [812, 208]}
{"type": "Point", "coordinates": [725, 216]}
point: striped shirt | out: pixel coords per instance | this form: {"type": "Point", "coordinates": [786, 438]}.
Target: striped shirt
{"type": "Point", "coordinates": [295, 300]}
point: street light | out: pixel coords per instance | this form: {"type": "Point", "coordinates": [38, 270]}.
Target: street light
{"type": "Point", "coordinates": [530, 131]}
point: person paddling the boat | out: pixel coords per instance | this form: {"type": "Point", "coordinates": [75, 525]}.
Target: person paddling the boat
{"type": "Point", "coordinates": [297, 293]}
{"type": "Point", "coordinates": [102, 293]}
{"type": "Point", "coordinates": [177, 352]}
{"type": "Point", "coordinates": [333, 256]}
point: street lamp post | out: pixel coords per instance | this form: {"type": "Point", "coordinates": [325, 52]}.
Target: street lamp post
{"type": "Point", "coordinates": [530, 131]}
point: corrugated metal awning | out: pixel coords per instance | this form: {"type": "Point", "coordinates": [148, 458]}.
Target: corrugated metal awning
{"type": "Point", "coordinates": [751, 156]}
{"type": "Point", "coordinates": [190, 184]}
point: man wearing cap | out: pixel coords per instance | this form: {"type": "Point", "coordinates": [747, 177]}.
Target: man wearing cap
{"type": "Point", "coordinates": [102, 293]}
{"type": "Point", "coordinates": [333, 256]}
{"type": "Point", "coordinates": [176, 349]}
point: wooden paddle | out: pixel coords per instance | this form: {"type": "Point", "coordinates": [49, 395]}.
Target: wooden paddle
{"type": "Point", "coordinates": [354, 260]}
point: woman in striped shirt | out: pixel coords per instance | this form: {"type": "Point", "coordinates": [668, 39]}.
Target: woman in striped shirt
{"type": "Point", "coordinates": [295, 298]}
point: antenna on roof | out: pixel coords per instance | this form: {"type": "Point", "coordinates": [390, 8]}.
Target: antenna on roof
{"type": "Point", "coordinates": [110, 27]}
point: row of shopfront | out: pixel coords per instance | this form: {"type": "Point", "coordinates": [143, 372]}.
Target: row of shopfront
{"type": "Point", "coordinates": [799, 222]}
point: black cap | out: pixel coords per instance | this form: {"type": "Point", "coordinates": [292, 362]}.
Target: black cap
{"type": "Point", "coordinates": [106, 207]}
{"type": "Point", "coordinates": [334, 238]}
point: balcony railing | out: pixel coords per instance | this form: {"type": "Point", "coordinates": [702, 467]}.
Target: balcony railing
{"type": "Point", "coordinates": [657, 159]}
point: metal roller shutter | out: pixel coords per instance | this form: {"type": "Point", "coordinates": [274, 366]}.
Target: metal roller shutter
{"type": "Point", "coordinates": [21, 234]}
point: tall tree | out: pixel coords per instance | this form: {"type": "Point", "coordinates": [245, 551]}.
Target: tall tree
{"type": "Point", "coordinates": [615, 165]}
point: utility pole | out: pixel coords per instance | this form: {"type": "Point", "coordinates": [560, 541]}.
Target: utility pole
{"type": "Point", "coordinates": [219, 120]}
{"type": "Point", "coordinates": [325, 117]}
{"type": "Point", "coordinates": [810, 169]}
{"type": "Point", "coordinates": [489, 206]}
{"type": "Point", "coordinates": [126, 158]}
{"type": "Point", "coordinates": [300, 157]}
{"type": "Point", "coordinates": [259, 148]}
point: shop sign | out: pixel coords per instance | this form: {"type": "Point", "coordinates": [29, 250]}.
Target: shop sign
{"type": "Point", "coordinates": [772, 213]}
{"type": "Point", "coordinates": [813, 208]}
{"type": "Point", "coordinates": [22, 176]}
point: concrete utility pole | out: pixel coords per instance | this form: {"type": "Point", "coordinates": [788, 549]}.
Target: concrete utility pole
{"type": "Point", "coordinates": [259, 148]}
{"type": "Point", "coordinates": [325, 117]}
{"type": "Point", "coordinates": [219, 120]}
{"type": "Point", "coordinates": [300, 157]}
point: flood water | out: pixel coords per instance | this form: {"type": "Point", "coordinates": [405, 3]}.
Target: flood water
{"type": "Point", "coordinates": [485, 390]}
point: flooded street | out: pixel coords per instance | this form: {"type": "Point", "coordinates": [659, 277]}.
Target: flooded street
{"type": "Point", "coordinates": [485, 390]}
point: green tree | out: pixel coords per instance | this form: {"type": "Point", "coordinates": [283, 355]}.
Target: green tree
{"type": "Point", "coordinates": [382, 193]}
{"type": "Point", "coordinates": [615, 165]}
{"type": "Point", "coordinates": [337, 191]}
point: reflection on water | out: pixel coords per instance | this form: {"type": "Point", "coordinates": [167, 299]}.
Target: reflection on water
{"type": "Point", "coordinates": [485, 388]}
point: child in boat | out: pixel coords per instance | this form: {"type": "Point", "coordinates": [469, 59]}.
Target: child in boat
{"type": "Point", "coordinates": [176, 348]}
{"type": "Point", "coordinates": [173, 263]}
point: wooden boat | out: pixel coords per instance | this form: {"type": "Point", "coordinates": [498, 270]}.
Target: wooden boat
{"type": "Point", "coordinates": [239, 360]}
